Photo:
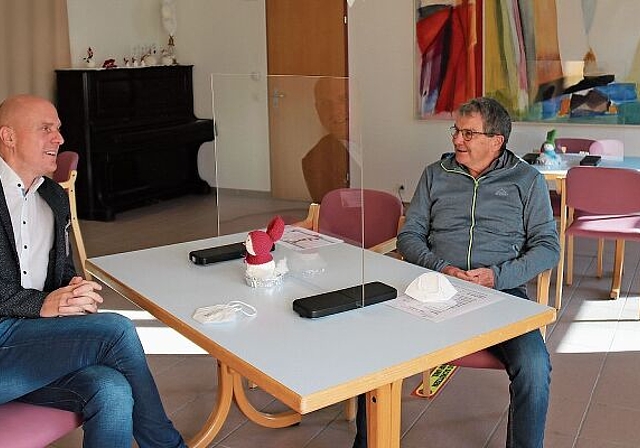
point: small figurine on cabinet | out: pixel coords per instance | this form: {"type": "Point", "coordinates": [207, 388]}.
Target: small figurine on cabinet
{"type": "Point", "coordinates": [260, 263]}
{"type": "Point", "coordinates": [167, 58]}
{"type": "Point", "coordinates": [88, 59]}
{"type": "Point", "coordinates": [109, 63]}
{"type": "Point", "coordinates": [149, 57]}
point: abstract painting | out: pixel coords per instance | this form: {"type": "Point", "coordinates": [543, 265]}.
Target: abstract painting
{"type": "Point", "coordinates": [544, 60]}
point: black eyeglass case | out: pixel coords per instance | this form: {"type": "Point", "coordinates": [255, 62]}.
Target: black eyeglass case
{"type": "Point", "coordinates": [217, 254]}
{"type": "Point", "coordinates": [341, 300]}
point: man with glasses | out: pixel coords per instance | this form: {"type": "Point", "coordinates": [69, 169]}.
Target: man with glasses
{"type": "Point", "coordinates": [483, 215]}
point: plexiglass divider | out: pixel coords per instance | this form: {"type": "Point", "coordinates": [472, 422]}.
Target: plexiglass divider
{"type": "Point", "coordinates": [289, 147]}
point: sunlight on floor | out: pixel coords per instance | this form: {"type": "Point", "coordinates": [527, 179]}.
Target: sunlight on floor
{"type": "Point", "coordinates": [158, 339]}
{"type": "Point", "coordinates": [602, 325]}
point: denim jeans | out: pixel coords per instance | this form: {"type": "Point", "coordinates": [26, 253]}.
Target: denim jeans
{"type": "Point", "coordinates": [93, 365]}
{"type": "Point", "coordinates": [529, 368]}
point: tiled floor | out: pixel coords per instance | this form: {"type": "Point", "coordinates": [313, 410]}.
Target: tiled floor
{"type": "Point", "coordinates": [595, 400]}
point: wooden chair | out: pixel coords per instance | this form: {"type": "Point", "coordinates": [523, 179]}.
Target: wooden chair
{"type": "Point", "coordinates": [66, 174]}
{"type": "Point", "coordinates": [604, 148]}
{"type": "Point", "coordinates": [485, 359]}
{"type": "Point", "coordinates": [342, 215]}
{"type": "Point", "coordinates": [609, 206]}
{"type": "Point", "coordinates": [25, 425]}
{"type": "Point", "coordinates": [573, 145]}
{"type": "Point", "coordinates": [609, 147]}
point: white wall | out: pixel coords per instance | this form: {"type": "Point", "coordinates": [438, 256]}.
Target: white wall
{"type": "Point", "coordinates": [227, 36]}
{"type": "Point", "coordinates": [215, 36]}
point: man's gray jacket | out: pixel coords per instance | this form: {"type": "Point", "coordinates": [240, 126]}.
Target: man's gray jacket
{"type": "Point", "coordinates": [502, 220]}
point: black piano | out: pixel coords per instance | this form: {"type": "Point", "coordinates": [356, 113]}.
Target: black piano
{"type": "Point", "coordinates": [136, 133]}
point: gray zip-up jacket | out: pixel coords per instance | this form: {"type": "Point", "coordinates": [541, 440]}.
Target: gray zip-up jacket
{"type": "Point", "coordinates": [502, 220]}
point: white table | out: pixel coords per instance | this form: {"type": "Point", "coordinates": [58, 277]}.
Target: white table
{"type": "Point", "coordinates": [308, 364]}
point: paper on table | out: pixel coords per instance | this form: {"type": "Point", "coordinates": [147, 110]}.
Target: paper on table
{"type": "Point", "coordinates": [431, 287]}
{"type": "Point", "coordinates": [298, 238]}
{"type": "Point", "coordinates": [468, 298]}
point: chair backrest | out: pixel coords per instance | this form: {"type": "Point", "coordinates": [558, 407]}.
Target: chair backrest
{"type": "Point", "coordinates": [573, 145]}
{"type": "Point", "coordinates": [67, 162]}
{"type": "Point", "coordinates": [605, 191]}
{"type": "Point", "coordinates": [66, 174]}
{"type": "Point", "coordinates": [610, 147]}
{"type": "Point", "coordinates": [342, 212]}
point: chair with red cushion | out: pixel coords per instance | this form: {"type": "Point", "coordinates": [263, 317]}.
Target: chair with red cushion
{"type": "Point", "coordinates": [345, 212]}
{"type": "Point", "coordinates": [610, 148]}
{"type": "Point", "coordinates": [609, 207]}
{"type": "Point", "coordinates": [573, 145]}
{"type": "Point", "coordinates": [484, 359]}
{"type": "Point", "coordinates": [607, 148]}
{"type": "Point", "coordinates": [28, 426]}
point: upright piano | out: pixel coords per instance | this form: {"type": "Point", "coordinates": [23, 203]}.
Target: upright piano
{"type": "Point", "coordinates": [136, 134]}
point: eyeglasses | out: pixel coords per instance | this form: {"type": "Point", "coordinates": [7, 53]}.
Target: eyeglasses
{"type": "Point", "coordinates": [467, 134]}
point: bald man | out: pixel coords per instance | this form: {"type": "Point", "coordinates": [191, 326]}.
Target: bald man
{"type": "Point", "coordinates": [55, 349]}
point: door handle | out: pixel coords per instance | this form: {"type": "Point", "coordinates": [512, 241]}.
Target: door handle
{"type": "Point", "coordinates": [276, 96]}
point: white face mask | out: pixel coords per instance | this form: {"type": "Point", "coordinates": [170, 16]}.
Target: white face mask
{"type": "Point", "coordinates": [219, 314]}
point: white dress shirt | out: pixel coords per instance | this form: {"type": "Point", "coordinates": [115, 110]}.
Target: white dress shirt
{"type": "Point", "coordinates": [32, 221]}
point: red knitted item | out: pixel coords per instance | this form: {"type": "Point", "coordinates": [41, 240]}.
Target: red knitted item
{"type": "Point", "coordinates": [262, 242]}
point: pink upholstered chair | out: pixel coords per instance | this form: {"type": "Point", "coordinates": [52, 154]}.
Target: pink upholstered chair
{"type": "Point", "coordinates": [483, 359]}
{"type": "Point", "coordinates": [67, 161]}
{"type": "Point", "coordinates": [573, 145]}
{"type": "Point", "coordinates": [341, 212]}
{"type": "Point", "coordinates": [609, 147]}
{"type": "Point", "coordinates": [609, 206]}
{"type": "Point", "coordinates": [606, 148]}
{"type": "Point", "coordinates": [27, 426]}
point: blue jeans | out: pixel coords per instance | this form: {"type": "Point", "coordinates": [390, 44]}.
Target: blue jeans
{"type": "Point", "coordinates": [93, 365]}
{"type": "Point", "coordinates": [529, 368]}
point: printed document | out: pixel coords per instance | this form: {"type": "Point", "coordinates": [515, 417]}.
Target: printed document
{"type": "Point", "coordinates": [467, 298]}
{"type": "Point", "coordinates": [298, 238]}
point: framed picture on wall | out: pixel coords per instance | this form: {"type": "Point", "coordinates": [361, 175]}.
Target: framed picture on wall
{"type": "Point", "coordinates": [545, 60]}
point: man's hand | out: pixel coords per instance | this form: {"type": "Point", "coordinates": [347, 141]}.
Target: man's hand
{"type": "Point", "coordinates": [481, 276]}
{"type": "Point", "coordinates": [78, 298]}
{"type": "Point", "coordinates": [458, 273]}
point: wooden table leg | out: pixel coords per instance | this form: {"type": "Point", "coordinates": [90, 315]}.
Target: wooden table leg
{"type": "Point", "coordinates": [268, 420]}
{"type": "Point", "coordinates": [230, 387]}
{"type": "Point", "coordinates": [219, 414]}
{"type": "Point", "coordinates": [383, 416]}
